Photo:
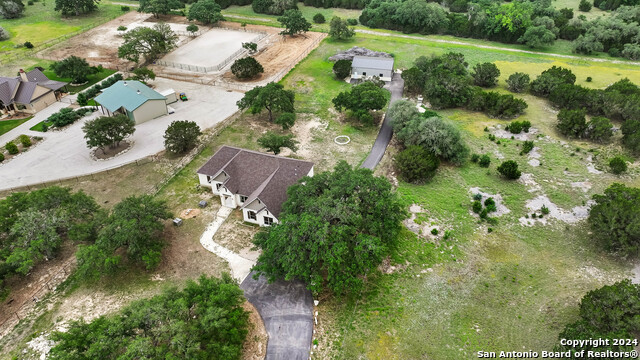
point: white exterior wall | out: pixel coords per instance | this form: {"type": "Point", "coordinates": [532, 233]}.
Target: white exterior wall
{"type": "Point", "coordinates": [358, 73]}
{"type": "Point", "coordinates": [260, 215]}
{"type": "Point", "coordinates": [150, 110]}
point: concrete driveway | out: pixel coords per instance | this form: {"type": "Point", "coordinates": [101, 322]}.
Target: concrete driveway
{"type": "Point", "coordinates": [396, 87]}
{"type": "Point", "coordinates": [64, 153]}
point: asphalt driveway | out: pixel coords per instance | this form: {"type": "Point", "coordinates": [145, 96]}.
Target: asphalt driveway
{"type": "Point", "coordinates": [396, 86]}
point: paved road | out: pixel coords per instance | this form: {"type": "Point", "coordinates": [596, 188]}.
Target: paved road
{"type": "Point", "coordinates": [286, 308]}
{"type": "Point", "coordinates": [396, 86]}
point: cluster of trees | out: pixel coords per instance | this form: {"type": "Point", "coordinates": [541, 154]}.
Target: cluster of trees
{"type": "Point", "coordinates": [436, 138]}
{"type": "Point", "coordinates": [611, 312]}
{"type": "Point", "coordinates": [446, 82]}
{"type": "Point", "coordinates": [11, 9]}
{"type": "Point", "coordinates": [534, 23]}
{"type": "Point", "coordinates": [361, 99]}
{"type": "Point", "coordinates": [64, 117]}
{"type": "Point", "coordinates": [132, 230]}
{"type": "Point", "coordinates": [617, 34]}
{"type": "Point", "coordinates": [335, 228]}
{"type": "Point", "coordinates": [614, 219]}
{"type": "Point", "coordinates": [159, 7]}
{"type": "Point", "coordinates": [205, 320]}
{"type": "Point", "coordinates": [34, 225]}
{"type": "Point", "coordinates": [619, 101]}
{"type": "Point", "coordinates": [347, 4]}
{"type": "Point", "coordinates": [76, 7]}
{"type": "Point", "coordinates": [273, 7]}
{"type": "Point", "coordinates": [108, 131]}
{"type": "Point", "coordinates": [205, 11]}
{"type": "Point", "coordinates": [149, 43]}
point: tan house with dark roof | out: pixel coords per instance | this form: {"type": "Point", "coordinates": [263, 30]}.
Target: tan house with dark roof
{"type": "Point", "coordinates": [30, 92]}
{"type": "Point", "coordinates": [254, 181]}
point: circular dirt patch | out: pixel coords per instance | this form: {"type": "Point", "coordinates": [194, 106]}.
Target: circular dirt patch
{"type": "Point", "coordinates": [109, 152]}
{"type": "Point", "coordinates": [189, 213]}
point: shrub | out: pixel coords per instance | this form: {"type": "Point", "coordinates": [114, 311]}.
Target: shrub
{"type": "Point", "coordinates": [342, 69]}
{"type": "Point", "coordinates": [518, 82]}
{"type": "Point", "coordinates": [485, 161]}
{"type": "Point", "coordinates": [544, 210]}
{"type": "Point", "coordinates": [614, 219]}
{"type": "Point", "coordinates": [484, 213]}
{"type": "Point", "coordinates": [352, 22]}
{"type": "Point", "coordinates": [416, 164]}
{"type": "Point", "coordinates": [246, 68]}
{"type": "Point", "coordinates": [475, 158]}
{"type": "Point", "coordinates": [63, 117]}
{"type": "Point", "coordinates": [30, 2]}
{"type": "Point", "coordinates": [4, 34]}
{"type": "Point", "coordinates": [319, 18]}
{"type": "Point", "coordinates": [193, 28]}
{"type": "Point", "coordinates": [434, 231]}
{"type": "Point", "coordinates": [477, 206]}
{"type": "Point", "coordinates": [509, 169]}
{"type": "Point", "coordinates": [516, 127]}
{"type": "Point", "coordinates": [125, 8]}
{"type": "Point", "coordinates": [286, 120]}
{"type": "Point", "coordinates": [25, 140]}
{"type": "Point", "coordinates": [11, 148]}
{"type": "Point", "coordinates": [572, 123]}
{"type": "Point", "coordinates": [477, 197]}
{"type": "Point", "coordinates": [181, 136]}
{"type": "Point", "coordinates": [490, 204]}
{"type": "Point", "coordinates": [485, 74]}
{"type": "Point", "coordinates": [589, 79]}
{"type": "Point", "coordinates": [584, 6]}
{"type": "Point", "coordinates": [617, 165]}
{"type": "Point", "coordinates": [28, 45]}
{"type": "Point", "coordinates": [122, 28]}
{"type": "Point", "coordinates": [82, 99]}
{"type": "Point", "coordinates": [527, 146]}
{"type": "Point", "coordinates": [1, 157]}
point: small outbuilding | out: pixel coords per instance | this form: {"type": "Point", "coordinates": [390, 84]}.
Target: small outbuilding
{"type": "Point", "coordinates": [363, 67]}
{"type": "Point", "coordinates": [134, 99]}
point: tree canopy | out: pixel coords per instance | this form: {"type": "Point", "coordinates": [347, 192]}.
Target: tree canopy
{"type": "Point", "coordinates": [246, 68]}
{"type": "Point", "coordinates": [340, 30]}
{"type": "Point", "coordinates": [274, 142]}
{"type": "Point", "coordinates": [108, 131]}
{"type": "Point", "coordinates": [134, 226]}
{"type": "Point", "coordinates": [272, 97]}
{"type": "Point", "coordinates": [149, 43]}
{"type": "Point", "coordinates": [333, 230]}
{"type": "Point", "coordinates": [614, 218]}
{"type": "Point", "coordinates": [361, 99]}
{"type": "Point", "coordinates": [509, 169]}
{"type": "Point", "coordinates": [205, 11]}
{"type": "Point", "coordinates": [205, 320]}
{"type": "Point", "coordinates": [485, 74]}
{"type": "Point", "coordinates": [12, 9]}
{"type": "Point", "coordinates": [159, 7]}
{"type": "Point", "coordinates": [342, 68]}
{"type": "Point", "coordinates": [73, 67]}
{"type": "Point", "coordinates": [180, 136]}
{"type": "Point", "coordinates": [294, 22]}
{"type": "Point", "coordinates": [416, 164]}
{"type": "Point", "coordinates": [74, 7]}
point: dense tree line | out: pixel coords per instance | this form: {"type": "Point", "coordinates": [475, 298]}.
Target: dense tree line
{"type": "Point", "coordinates": [205, 320]}
{"type": "Point", "coordinates": [34, 225]}
{"type": "Point", "coordinates": [446, 82]}
{"type": "Point", "coordinates": [614, 219]}
{"type": "Point", "coordinates": [534, 23]}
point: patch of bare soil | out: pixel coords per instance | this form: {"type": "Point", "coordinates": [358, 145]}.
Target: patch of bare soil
{"type": "Point", "coordinates": [255, 346]}
{"type": "Point", "coordinates": [98, 45]}
{"type": "Point", "coordinates": [109, 152]}
{"type": "Point", "coordinates": [190, 213]}
{"type": "Point", "coordinates": [280, 53]}
{"type": "Point", "coordinates": [236, 235]}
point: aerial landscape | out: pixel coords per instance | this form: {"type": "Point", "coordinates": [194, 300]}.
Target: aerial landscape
{"type": "Point", "coordinates": [319, 179]}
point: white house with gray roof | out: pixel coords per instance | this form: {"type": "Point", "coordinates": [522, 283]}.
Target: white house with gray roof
{"type": "Point", "coordinates": [30, 92]}
{"type": "Point", "coordinates": [363, 67]}
{"type": "Point", "coordinates": [253, 181]}
{"type": "Point", "coordinates": [134, 99]}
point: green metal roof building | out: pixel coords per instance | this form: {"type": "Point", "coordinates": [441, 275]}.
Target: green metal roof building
{"type": "Point", "coordinates": [133, 99]}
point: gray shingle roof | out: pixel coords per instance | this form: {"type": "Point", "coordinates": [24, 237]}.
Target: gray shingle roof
{"type": "Point", "coordinates": [257, 175]}
{"type": "Point", "coordinates": [24, 94]}
{"type": "Point", "coordinates": [370, 62]}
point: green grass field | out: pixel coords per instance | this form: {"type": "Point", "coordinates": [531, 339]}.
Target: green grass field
{"type": "Point", "coordinates": [307, 11]}
{"type": "Point", "coordinates": [8, 125]}
{"type": "Point", "coordinates": [40, 23]}
{"type": "Point", "coordinates": [510, 289]}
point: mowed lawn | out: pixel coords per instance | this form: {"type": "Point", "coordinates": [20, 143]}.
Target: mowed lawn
{"type": "Point", "coordinates": [307, 11]}
{"type": "Point", "coordinates": [513, 287]}
{"type": "Point", "coordinates": [7, 125]}
{"type": "Point", "coordinates": [40, 23]}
